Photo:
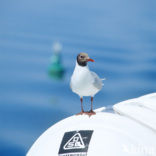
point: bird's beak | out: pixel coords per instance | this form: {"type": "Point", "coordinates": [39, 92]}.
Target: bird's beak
{"type": "Point", "coordinates": [89, 59]}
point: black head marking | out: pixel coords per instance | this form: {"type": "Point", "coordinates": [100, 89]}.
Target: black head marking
{"type": "Point", "coordinates": [82, 59]}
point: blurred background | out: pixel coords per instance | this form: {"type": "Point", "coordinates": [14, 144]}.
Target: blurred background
{"type": "Point", "coordinates": [119, 35]}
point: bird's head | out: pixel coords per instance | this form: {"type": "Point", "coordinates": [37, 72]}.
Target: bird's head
{"type": "Point", "coordinates": [83, 58]}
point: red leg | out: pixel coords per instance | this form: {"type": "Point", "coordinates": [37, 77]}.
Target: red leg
{"type": "Point", "coordinates": [82, 110]}
{"type": "Point", "coordinates": [91, 104]}
{"type": "Point", "coordinates": [91, 112]}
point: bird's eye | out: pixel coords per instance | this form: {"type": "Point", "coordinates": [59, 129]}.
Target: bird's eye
{"type": "Point", "coordinates": [81, 56]}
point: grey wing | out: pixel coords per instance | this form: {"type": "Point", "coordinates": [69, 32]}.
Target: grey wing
{"type": "Point", "coordinates": [97, 82]}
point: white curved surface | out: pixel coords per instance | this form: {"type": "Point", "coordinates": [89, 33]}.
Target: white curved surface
{"type": "Point", "coordinates": [142, 109]}
{"type": "Point", "coordinates": [113, 135]}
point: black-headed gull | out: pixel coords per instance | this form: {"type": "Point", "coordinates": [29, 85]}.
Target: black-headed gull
{"type": "Point", "coordinates": [85, 82]}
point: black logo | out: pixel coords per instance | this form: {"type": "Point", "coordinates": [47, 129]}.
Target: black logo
{"type": "Point", "coordinates": [75, 143]}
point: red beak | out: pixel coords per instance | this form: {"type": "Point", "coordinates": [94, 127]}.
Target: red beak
{"type": "Point", "coordinates": [90, 60]}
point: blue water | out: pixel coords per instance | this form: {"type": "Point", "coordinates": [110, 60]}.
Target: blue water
{"type": "Point", "coordinates": [119, 35]}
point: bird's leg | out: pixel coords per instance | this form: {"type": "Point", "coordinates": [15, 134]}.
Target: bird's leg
{"type": "Point", "coordinates": [82, 110]}
{"type": "Point", "coordinates": [91, 104]}
{"type": "Point", "coordinates": [91, 112]}
{"type": "Point", "coordinates": [82, 104]}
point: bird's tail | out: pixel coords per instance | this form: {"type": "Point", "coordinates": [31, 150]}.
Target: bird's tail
{"type": "Point", "coordinates": [103, 80]}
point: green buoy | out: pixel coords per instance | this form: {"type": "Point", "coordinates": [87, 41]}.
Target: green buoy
{"type": "Point", "coordinates": [56, 69]}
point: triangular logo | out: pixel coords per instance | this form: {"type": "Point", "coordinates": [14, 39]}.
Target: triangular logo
{"type": "Point", "coordinates": [75, 142]}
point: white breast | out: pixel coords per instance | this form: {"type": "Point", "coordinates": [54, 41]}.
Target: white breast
{"type": "Point", "coordinates": [83, 81]}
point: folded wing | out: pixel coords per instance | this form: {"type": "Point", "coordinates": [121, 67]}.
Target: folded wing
{"type": "Point", "coordinates": [97, 82]}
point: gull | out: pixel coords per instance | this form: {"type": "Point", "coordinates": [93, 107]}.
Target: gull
{"type": "Point", "coordinates": [85, 82]}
